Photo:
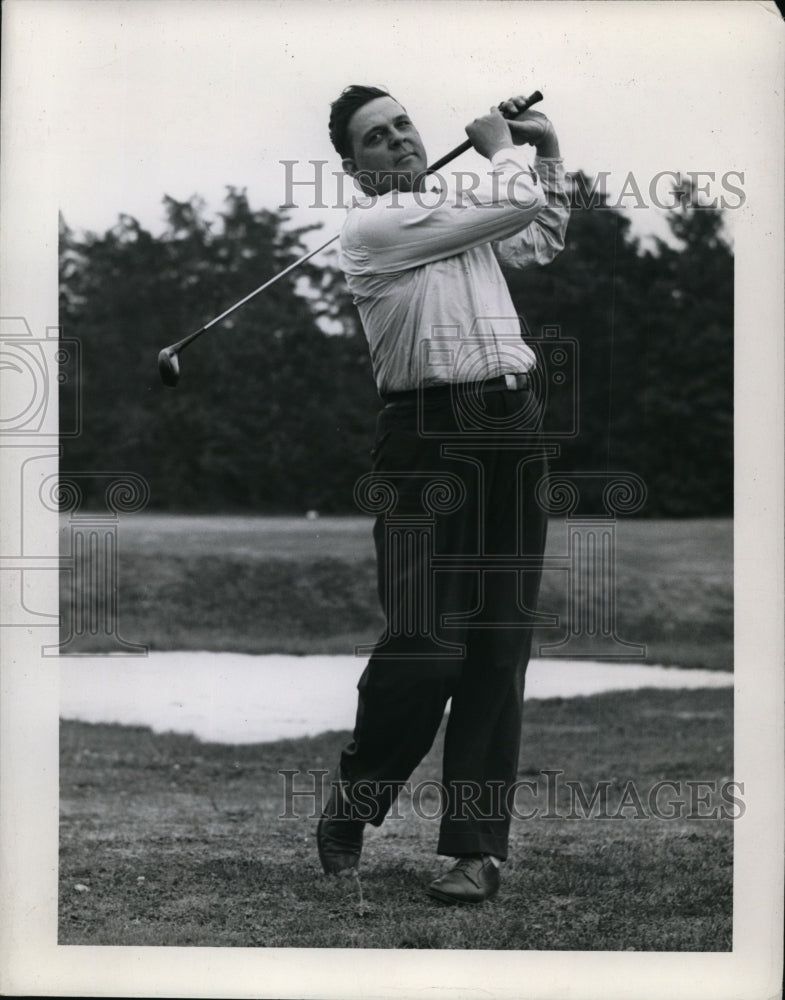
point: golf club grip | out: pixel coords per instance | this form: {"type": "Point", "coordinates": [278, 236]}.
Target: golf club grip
{"type": "Point", "coordinates": [534, 98]}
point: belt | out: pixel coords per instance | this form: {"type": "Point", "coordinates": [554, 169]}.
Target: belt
{"type": "Point", "coordinates": [511, 382]}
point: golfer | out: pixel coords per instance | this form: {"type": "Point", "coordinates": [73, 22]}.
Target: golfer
{"type": "Point", "coordinates": [457, 451]}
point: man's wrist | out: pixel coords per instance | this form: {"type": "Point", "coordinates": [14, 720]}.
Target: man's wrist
{"type": "Point", "coordinates": [548, 146]}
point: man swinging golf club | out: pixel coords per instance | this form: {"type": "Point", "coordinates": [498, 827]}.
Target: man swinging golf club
{"type": "Point", "coordinates": [445, 343]}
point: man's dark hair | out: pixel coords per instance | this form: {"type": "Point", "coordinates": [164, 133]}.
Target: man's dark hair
{"type": "Point", "coordinates": [341, 111]}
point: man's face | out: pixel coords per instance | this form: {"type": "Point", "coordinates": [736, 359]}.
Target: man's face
{"type": "Point", "coordinates": [387, 151]}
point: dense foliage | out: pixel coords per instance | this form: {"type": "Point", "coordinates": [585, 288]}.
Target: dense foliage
{"type": "Point", "coordinates": [273, 414]}
{"type": "Point", "coordinates": [655, 342]}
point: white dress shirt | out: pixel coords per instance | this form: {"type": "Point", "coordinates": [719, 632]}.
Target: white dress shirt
{"type": "Point", "coordinates": [423, 268]}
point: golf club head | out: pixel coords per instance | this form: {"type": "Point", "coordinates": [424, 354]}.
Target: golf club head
{"type": "Point", "coordinates": [169, 367]}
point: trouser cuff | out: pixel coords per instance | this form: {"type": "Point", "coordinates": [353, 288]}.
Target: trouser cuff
{"type": "Point", "coordinates": [456, 844]}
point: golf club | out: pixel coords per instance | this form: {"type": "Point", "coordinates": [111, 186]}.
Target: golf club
{"type": "Point", "coordinates": [168, 358]}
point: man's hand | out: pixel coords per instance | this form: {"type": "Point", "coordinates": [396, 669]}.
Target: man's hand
{"type": "Point", "coordinates": [490, 133]}
{"type": "Point", "coordinates": [532, 128]}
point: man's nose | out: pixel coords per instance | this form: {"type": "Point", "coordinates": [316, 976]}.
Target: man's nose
{"type": "Point", "coordinates": [396, 138]}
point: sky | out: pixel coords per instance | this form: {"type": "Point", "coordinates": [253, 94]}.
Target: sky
{"type": "Point", "coordinates": [150, 97]}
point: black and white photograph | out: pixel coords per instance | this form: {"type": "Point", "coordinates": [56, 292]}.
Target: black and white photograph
{"type": "Point", "coordinates": [391, 547]}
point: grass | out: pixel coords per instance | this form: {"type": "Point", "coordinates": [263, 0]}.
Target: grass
{"type": "Point", "coordinates": [261, 585]}
{"type": "Point", "coordinates": [169, 841]}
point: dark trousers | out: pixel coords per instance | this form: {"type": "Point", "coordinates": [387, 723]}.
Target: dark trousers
{"type": "Point", "coordinates": [459, 538]}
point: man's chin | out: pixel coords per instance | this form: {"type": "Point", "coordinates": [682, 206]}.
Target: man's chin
{"type": "Point", "coordinates": [403, 179]}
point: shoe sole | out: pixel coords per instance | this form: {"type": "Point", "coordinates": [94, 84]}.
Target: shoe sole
{"type": "Point", "coordinates": [446, 897]}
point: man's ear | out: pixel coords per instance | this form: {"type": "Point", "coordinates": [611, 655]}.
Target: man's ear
{"type": "Point", "coordinates": [349, 166]}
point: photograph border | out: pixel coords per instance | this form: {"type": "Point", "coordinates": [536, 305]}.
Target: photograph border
{"type": "Point", "coordinates": [30, 960]}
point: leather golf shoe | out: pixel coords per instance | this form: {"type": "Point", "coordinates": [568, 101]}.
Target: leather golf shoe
{"type": "Point", "coordinates": [338, 837]}
{"type": "Point", "coordinates": [473, 879]}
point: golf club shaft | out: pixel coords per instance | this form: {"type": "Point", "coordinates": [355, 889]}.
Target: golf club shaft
{"type": "Point", "coordinates": [197, 333]}
{"type": "Point", "coordinates": [169, 353]}
{"type": "Point", "coordinates": [464, 146]}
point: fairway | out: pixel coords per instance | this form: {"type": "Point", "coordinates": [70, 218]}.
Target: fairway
{"type": "Point", "coordinates": [670, 547]}
{"type": "Point", "coordinates": [177, 842]}
{"type": "Point", "coordinates": [345, 538]}
{"type": "Point", "coordinates": [298, 585]}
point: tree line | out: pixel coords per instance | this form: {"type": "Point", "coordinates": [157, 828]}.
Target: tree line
{"type": "Point", "coordinates": [276, 407]}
